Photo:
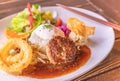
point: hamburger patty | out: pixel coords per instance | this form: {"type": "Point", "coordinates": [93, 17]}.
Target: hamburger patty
{"type": "Point", "coordinates": [61, 50]}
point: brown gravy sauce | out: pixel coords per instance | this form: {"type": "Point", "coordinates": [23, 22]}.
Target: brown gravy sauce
{"type": "Point", "coordinates": [42, 71]}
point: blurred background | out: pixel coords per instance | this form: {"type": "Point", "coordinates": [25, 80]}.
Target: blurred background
{"type": "Point", "coordinates": [108, 8]}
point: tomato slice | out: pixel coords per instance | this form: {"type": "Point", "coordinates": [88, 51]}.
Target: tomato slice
{"type": "Point", "coordinates": [58, 22]}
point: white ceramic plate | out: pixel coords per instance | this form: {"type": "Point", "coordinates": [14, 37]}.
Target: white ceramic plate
{"type": "Point", "coordinates": [100, 44]}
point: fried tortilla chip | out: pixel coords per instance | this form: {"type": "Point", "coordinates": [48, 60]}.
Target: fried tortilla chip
{"type": "Point", "coordinates": [79, 28]}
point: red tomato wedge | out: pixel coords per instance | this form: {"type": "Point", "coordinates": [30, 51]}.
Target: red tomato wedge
{"type": "Point", "coordinates": [58, 22]}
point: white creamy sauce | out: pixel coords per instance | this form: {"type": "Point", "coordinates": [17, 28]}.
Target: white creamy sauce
{"type": "Point", "coordinates": [44, 33]}
{"type": "Point", "coordinates": [41, 36]}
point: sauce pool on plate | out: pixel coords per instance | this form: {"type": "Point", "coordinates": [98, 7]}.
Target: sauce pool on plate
{"type": "Point", "coordinates": [43, 71]}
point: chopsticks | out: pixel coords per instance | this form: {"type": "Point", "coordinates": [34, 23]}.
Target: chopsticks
{"type": "Point", "coordinates": [114, 26]}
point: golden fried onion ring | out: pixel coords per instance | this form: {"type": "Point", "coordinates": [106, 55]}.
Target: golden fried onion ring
{"type": "Point", "coordinates": [15, 63]}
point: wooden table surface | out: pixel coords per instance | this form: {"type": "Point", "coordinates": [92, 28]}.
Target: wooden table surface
{"type": "Point", "coordinates": [107, 70]}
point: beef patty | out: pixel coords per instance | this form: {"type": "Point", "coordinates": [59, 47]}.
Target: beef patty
{"type": "Point", "coordinates": [61, 50]}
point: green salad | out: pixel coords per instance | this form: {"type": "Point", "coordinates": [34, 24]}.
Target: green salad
{"type": "Point", "coordinates": [30, 18]}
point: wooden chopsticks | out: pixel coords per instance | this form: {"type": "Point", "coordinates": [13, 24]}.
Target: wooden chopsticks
{"type": "Point", "coordinates": [115, 26]}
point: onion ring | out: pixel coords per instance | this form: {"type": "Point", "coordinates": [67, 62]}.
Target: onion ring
{"type": "Point", "coordinates": [15, 63]}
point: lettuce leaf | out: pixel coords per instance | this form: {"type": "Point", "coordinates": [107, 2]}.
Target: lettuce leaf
{"type": "Point", "coordinates": [20, 21]}
{"type": "Point", "coordinates": [35, 6]}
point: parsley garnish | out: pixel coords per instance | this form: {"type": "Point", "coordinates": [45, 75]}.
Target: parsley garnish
{"type": "Point", "coordinates": [47, 26]}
